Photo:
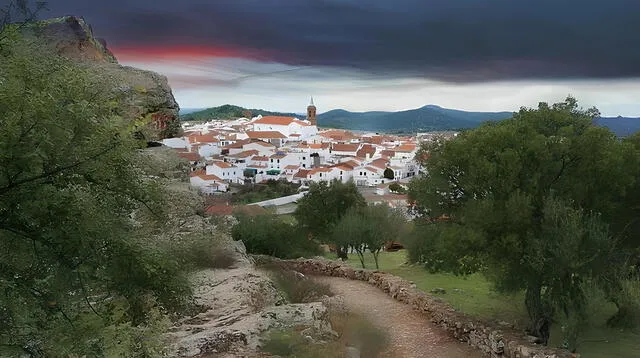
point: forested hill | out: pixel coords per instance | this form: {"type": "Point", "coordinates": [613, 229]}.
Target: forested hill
{"type": "Point", "coordinates": [229, 112]}
{"type": "Point", "coordinates": [427, 118]}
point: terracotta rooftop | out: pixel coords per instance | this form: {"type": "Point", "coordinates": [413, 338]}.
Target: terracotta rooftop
{"type": "Point", "coordinates": [203, 138]}
{"type": "Point", "coordinates": [279, 120]}
{"type": "Point", "coordinates": [245, 154]}
{"type": "Point", "coordinates": [260, 158]}
{"type": "Point", "coordinates": [406, 147]}
{"type": "Point", "coordinates": [302, 173]}
{"type": "Point", "coordinates": [222, 164]}
{"type": "Point", "coordinates": [367, 149]}
{"type": "Point", "coordinates": [265, 134]}
{"type": "Point", "coordinates": [193, 156]}
{"type": "Point", "coordinates": [292, 167]}
{"type": "Point", "coordinates": [340, 147]}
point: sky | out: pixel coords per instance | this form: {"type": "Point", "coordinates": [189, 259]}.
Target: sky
{"type": "Point", "coordinates": [360, 55]}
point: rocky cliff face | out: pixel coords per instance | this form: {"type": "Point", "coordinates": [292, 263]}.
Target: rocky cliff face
{"type": "Point", "coordinates": [144, 95]}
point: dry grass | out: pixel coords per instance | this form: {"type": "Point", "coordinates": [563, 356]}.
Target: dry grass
{"type": "Point", "coordinates": [298, 288]}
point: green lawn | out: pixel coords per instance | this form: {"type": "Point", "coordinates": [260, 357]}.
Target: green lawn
{"type": "Point", "coordinates": [474, 296]}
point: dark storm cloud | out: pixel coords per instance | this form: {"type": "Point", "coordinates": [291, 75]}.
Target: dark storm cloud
{"type": "Point", "coordinates": [452, 40]}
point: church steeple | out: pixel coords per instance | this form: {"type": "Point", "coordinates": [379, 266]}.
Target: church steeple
{"type": "Point", "coordinates": [311, 113]}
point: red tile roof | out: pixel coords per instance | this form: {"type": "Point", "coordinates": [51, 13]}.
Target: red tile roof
{"type": "Point", "coordinates": [279, 120]}
{"type": "Point", "coordinates": [406, 147]}
{"type": "Point", "coordinates": [302, 173]}
{"type": "Point", "coordinates": [340, 147]}
{"type": "Point", "coordinates": [260, 158]}
{"type": "Point", "coordinates": [265, 134]}
{"type": "Point", "coordinates": [292, 167]}
{"type": "Point", "coordinates": [367, 149]}
{"type": "Point", "coordinates": [222, 164]}
{"type": "Point", "coordinates": [204, 138]}
{"type": "Point", "coordinates": [192, 157]}
{"type": "Point", "coordinates": [245, 154]}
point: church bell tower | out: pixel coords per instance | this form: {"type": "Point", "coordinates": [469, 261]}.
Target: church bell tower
{"type": "Point", "coordinates": [311, 113]}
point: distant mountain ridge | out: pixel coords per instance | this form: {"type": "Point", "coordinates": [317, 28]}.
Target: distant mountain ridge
{"type": "Point", "coordinates": [423, 119]}
{"type": "Point", "coordinates": [427, 118]}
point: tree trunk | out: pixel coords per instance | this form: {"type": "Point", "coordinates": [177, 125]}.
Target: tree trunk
{"type": "Point", "coordinates": [539, 315]}
{"type": "Point", "coordinates": [375, 258]}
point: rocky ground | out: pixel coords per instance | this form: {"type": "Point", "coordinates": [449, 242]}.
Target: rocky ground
{"type": "Point", "coordinates": [240, 305]}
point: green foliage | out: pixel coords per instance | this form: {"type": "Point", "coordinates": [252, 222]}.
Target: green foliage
{"type": "Point", "coordinates": [368, 228]}
{"type": "Point", "coordinates": [325, 204]}
{"type": "Point", "coordinates": [229, 112]}
{"type": "Point", "coordinates": [254, 193]}
{"type": "Point", "coordinates": [530, 200]}
{"type": "Point", "coordinates": [388, 174]}
{"type": "Point", "coordinates": [268, 235]}
{"type": "Point", "coordinates": [70, 190]}
{"type": "Point", "coordinates": [397, 188]}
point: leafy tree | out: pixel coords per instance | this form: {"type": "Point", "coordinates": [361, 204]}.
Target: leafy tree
{"type": "Point", "coordinates": [71, 261]}
{"type": "Point", "coordinates": [514, 191]}
{"type": "Point", "coordinates": [269, 235]}
{"type": "Point", "coordinates": [397, 188]}
{"type": "Point", "coordinates": [368, 228]}
{"type": "Point", "coordinates": [325, 204]}
{"type": "Point", "coordinates": [388, 174]}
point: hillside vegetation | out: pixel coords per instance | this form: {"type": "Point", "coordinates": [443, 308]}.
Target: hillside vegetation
{"type": "Point", "coordinates": [229, 112]}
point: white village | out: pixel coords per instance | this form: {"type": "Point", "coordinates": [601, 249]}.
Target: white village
{"type": "Point", "coordinates": [263, 148]}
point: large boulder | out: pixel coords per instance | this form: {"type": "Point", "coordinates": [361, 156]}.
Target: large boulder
{"type": "Point", "coordinates": [144, 96]}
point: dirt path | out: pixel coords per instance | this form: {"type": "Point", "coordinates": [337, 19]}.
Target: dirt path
{"type": "Point", "coordinates": [410, 333]}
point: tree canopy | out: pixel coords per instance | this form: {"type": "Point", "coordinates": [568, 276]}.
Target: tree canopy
{"type": "Point", "coordinates": [531, 200]}
{"type": "Point", "coordinates": [76, 275]}
{"type": "Point", "coordinates": [325, 204]}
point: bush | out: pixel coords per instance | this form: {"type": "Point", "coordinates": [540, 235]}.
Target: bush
{"type": "Point", "coordinates": [268, 235]}
{"type": "Point", "coordinates": [397, 188]}
{"type": "Point", "coordinates": [354, 331]}
{"type": "Point", "coordinates": [297, 288]}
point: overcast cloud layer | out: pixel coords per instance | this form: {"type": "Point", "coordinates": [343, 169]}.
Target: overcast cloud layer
{"type": "Point", "coordinates": [458, 46]}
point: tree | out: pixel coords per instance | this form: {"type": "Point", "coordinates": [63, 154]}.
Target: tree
{"type": "Point", "coordinates": [368, 228]}
{"type": "Point", "coordinates": [325, 204]}
{"type": "Point", "coordinates": [500, 184]}
{"type": "Point", "coordinates": [73, 269]}
{"type": "Point", "coordinates": [388, 174]}
{"type": "Point", "coordinates": [269, 235]}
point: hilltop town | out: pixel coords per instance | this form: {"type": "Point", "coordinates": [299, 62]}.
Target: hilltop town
{"type": "Point", "coordinates": [263, 148]}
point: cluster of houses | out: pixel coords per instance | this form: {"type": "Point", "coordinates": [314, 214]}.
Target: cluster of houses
{"type": "Point", "coordinates": [286, 148]}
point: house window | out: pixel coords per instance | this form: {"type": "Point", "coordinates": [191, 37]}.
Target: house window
{"type": "Point", "coordinates": [304, 158]}
{"type": "Point", "coordinates": [271, 160]}
{"type": "Point", "coordinates": [320, 175]}
{"type": "Point", "coordinates": [341, 172]}
{"type": "Point", "coordinates": [304, 165]}
{"type": "Point", "coordinates": [278, 160]}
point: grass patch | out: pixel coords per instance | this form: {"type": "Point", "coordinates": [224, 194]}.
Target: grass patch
{"type": "Point", "coordinates": [354, 331]}
{"type": "Point", "coordinates": [474, 296]}
{"type": "Point", "coordinates": [298, 288]}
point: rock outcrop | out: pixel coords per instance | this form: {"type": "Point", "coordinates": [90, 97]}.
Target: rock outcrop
{"type": "Point", "coordinates": [240, 304]}
{"type": "Point", "coordinates": [494, 340]}
{"type": "Point", "coordinates": [143, 95]}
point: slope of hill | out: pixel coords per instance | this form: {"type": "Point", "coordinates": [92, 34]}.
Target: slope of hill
{"type": "Point", "coordinates": [229, 112]}
{"type": "Point", "coordinates": [621, 126]}
{"type": "Point", "coordinates": [427, 118]}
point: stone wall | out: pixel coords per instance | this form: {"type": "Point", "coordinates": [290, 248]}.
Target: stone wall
{"type": "Point", "coordinates": [493, 340]}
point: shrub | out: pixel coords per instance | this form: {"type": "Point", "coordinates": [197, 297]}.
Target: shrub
{"type": "Point", "coordinates": [297, 288]}
{"type": "Point", "coordinates": [397, 188]}
{"type": "Point", "coordinates": [268, 235]}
